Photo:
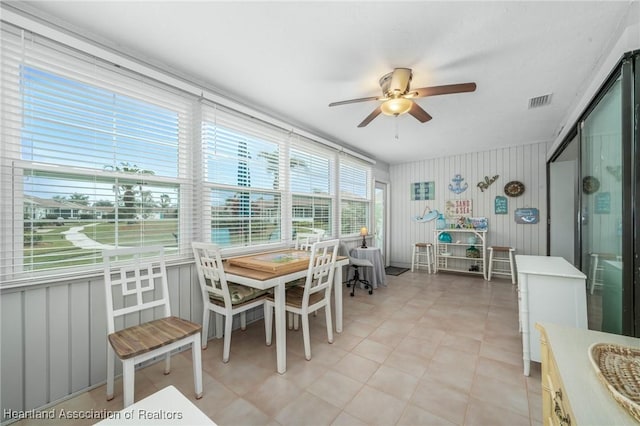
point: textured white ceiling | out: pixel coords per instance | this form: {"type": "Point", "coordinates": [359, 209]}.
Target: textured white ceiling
{"type": "Point", "coordinates": [291, 59]}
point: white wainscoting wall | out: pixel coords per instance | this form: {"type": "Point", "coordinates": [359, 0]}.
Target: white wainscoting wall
{"type": "Point", "coordinates": [526, 163]}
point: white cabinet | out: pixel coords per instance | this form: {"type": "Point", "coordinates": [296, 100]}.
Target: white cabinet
{"type": "Point", "coordinates": [571, 389]}
{"type": "Point", "coordinates": [458, 256]}
{"type": "Point", "coordinates": [552, 290]}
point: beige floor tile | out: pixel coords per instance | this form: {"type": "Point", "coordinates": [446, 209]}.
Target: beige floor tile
{"type": "Point", "coordinates": [394, 382]}
{"type": "Point", "coordinates": [273, 395]}
{"type": "Point", "coordinates": [356, 367]}
{"type": "Point", "coordinates": [481, 413]}
{"type": "Point", "coordinates": [497, 353]}
{"type": "Point", "coordinates": [510, 397]}
{"type": "Point", "coordinates": [308, 408]}
{"type": "Point", "coordinates": [440, 400]}
{"type": "Point", "coordinates": [346, 419]}
{"type": "Point", "coordinates": [414, 415]}
{"type": "Point", "coordinates": [387, 337]}
{"type": "Point", "coordinates": [335, 388]}
{"type": "Point", "coordinates": [372, 350]}
{"type": "Point", "coordinates": [240, 412]}
{"type": "Point", "coordinates": [502, 371]}
{"type": "Point", "coordinates": [376, 407]}
{"type": "Point", "coordinates": [407, 362]}
{"type": "Point", "coordinates": [460, 378]}
{"type": "Point", "coordinates": [436, 349]}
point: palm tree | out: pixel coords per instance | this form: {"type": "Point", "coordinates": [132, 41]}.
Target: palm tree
{"type": "Point", "coordinates": [273, 165]}
{"type": "Point", "coordinates": [128, 190]}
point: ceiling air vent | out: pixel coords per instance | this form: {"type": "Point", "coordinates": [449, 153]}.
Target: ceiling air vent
{"type": "Point", "coordinates": [540, 101]}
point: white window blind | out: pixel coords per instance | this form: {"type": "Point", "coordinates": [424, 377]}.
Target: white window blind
{"type": "Point", "coordinates": [94, 156]}
{"type": "Point", "coordinates": [355, 195]}
{"type": "Point", "coordinates": [244, 170]}
{"type": "Point", "coordinates": [312, 182]}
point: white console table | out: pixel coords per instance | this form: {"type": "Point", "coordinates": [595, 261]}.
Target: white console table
{"type": "Point", "coordinates": [550, 289]}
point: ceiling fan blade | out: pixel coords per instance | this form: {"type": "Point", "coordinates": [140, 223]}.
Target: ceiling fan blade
{"type": "Point", "coordinates": [376, 112]}
{"type": "Point", "coordinates": [420, 114]}
{"type": "Point", "coordinates": [442, 90]}
{"type": "Point", "coordinates": [400, 80]}
{"type": "Point", "coordinates": [353, 101]}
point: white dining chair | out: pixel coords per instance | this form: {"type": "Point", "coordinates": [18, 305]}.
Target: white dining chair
{"type": "Point", "coordinates": [304, 241]}
{"type": "Point", "coordinates": [220, 296]}
{"type": "Point", "coordinates": [314, 295]}
{"type": "Point", "coordinates": [136, 287]}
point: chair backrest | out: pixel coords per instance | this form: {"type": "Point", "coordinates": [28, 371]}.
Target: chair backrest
{"type": "Point", "coordinates": [135, 281]}
{"type": "Point", "coordinates": [322, 265]}
{"type": "Point", "coordinates": [211, 276]}
{"type": "Point", "coordinates": [304, 241]}
{"type": "Point", "coordinates": [343, 250]}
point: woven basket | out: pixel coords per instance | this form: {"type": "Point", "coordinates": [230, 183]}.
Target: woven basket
{"type": "Point", "coordinates": [618, 367]}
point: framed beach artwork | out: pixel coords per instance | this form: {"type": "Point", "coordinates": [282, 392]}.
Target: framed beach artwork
{"type": "Point", "coordinates": [423, 191]}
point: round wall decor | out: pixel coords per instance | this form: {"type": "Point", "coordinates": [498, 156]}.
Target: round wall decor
{"type": "Point", "coordinates": [590, 184]}
{"type": "Point", "coordinates": [514, 188]}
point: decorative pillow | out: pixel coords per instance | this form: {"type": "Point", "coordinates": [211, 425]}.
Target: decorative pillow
{"type": "Point", "coordinates": [240, 293]}
{"type": "Point", "coordinates": [295, 283]}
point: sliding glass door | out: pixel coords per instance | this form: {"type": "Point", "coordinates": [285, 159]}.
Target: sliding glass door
{"type": "Point", "coordinates": [601, 209]}
{"type": "Point", "coordinates": [594, 201]}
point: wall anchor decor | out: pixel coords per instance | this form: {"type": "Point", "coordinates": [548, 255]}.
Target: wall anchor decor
{"type": "Point", "coordinates": [487, 182]}
{"type": "Point", "coordinates": [458, 188]}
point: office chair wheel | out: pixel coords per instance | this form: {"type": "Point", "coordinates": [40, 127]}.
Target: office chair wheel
{"type": "Point", "coordinates": [370, 291]}
{"type": "Point", "coordinates": [351, 294]}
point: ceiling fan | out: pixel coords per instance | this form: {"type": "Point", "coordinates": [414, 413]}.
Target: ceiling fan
{"type": "Point", "coordinates": [398, 98]}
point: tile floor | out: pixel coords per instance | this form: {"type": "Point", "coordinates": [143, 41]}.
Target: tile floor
{"type": "Point", "coordinates": [425, 350]}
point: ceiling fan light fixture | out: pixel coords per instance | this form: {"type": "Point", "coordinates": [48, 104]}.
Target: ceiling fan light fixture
{"type": "Point", "coordinates": [396, 106]}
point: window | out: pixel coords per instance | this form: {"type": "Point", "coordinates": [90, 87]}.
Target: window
{"type": "Point", "coordinates": [355, 195]}
{"type": "Point", "coordinates": [311, 182]}
{"type": "Point", "coordinates": [95, 156]}
{"type": "Point", "coordinates": [243, 169]}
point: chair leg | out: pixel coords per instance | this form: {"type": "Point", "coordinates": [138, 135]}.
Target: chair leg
{"type": "Point", "coordinates": [290, 320]}
{"type": "Point", "coordinates": [296, 322]}
{"type": "Point", "coordinates": [219, 320]}
{"type": "Point", "coordinates": [512, 264]}
{"type": "Point", "coordinates": [196, 360]}
{"type": "Point", "coordinates": [228, 323]}
{"type": "Point", "coordinates": [268, 321]}
{"type": "Point", "coordinates": [413, 257]}
{"type": "Point", "coordinates": [243, 321]}
{"type": "Point", "coordinates": [110, 371]}
{"type": "Point", "coordinates": [329, 321]}
{"type": "Point", "coordinates": [128, 381]}
{"type": "Point", "coordinates": [305, 336]}
{"type": "Point", "coordinates": [205, 327]}
{"type": "Point", "coordinates": [490, 264]}
{"type": "Point", "coordinates": [167, 363]}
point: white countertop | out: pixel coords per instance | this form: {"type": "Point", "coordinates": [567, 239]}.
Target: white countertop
{"type": "Point", "coordinates": [547, 265]}
{"type": "Point", "coordinates": [590, 400]}
{"type": "Point", "coordinates": [167, 406]}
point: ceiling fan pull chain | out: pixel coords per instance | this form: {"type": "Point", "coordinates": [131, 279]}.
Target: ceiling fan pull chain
{"type": "Point", "coordinates": [397, 137]}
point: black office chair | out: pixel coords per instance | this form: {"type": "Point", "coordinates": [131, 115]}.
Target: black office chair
{"type": "Point", "coordinates": [356, 264]}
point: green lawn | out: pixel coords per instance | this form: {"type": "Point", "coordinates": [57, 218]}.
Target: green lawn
{"type": "Point", "coordinates": [47, 247]}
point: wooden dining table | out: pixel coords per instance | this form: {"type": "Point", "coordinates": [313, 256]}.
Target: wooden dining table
{"type": "Point", "coordinates": [257, 274]}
